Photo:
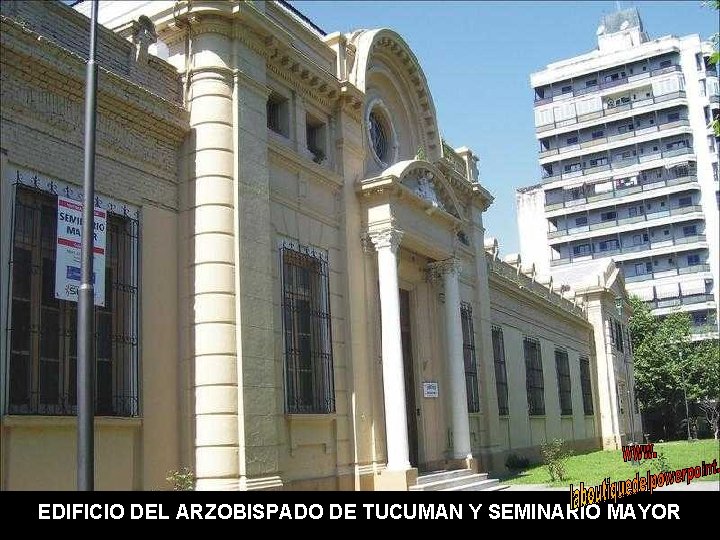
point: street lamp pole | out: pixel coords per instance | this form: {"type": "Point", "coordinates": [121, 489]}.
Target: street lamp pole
{"type": "Point", "coordinates": [687, 411]}
{"type": "Point", "coordinates": [86, 294]}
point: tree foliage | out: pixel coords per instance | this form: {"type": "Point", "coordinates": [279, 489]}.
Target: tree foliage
{"type": "Point", "coordinates": [668, 365]}
{"type": "Point", "coordinates": [715, 57]}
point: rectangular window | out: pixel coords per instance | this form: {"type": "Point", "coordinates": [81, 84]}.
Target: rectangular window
{"type": "Point", "coordinates": [608, 216]}
{"type": "Point", "coordinates": [534, 377]}
{"type": "Point", "coordinates": [665, 63]}
{"type": "Point", "coordinates": [673, 117]}
{"type": "Point", "coordinates": [571, 140]}
{"type": "Point", "coordinates": [684, 201]}
{"type": "Point", "coordinates": [693, 260]}
{"type": "Point", "coordinates": [582, 249]}
{"type": "Point", "coordinates": [564, 385]}
{"type": "Point", "coordinates": [315, 137]}
{"type": "Point", "coordinates": [501, 384]}
{"type": "Point", "coordinates": [566, 89]}
{"type": "Point", "coordinates": [278, 115]}
{"type": "Point", "coordinates": [586, 385]}
{"type": "Point", "coordinates": [43, 329]}
{"type": "Point", "coordinates": [471, 376]}
{"type": "Point", "coordinates": [618, 336]}
{"type": "Point", "coordinates": [590, 83]}
{"type": "Point", "coordinates": [689, 230]}
{"type": "Point", "coordinates": [598, 134]}
{"type": "Point", "coordinates": [582, 220]}
{"type": "Point", "coordinates": [309, 383]}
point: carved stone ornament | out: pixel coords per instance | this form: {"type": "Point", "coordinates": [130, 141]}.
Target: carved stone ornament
{"type": "Point", "coordinates": [386, 238]}
{"type": "Point", "coordinates": [436, 270]}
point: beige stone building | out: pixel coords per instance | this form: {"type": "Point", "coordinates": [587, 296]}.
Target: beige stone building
{"type": "Point", "coordinates": [299, 293]}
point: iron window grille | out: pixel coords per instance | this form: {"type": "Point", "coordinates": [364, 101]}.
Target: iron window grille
{"type": "Point", "coordinates": [471, 374]}
{"type": "Point", "coordinates": [309, 383]}
{"type": "Point", "coordinates": [43, 329]}
{"type": "Point", "coordinates": [564, 385]}
{"type": "Point", "coordinates": [534, 381]}
{"type": "Point", "coordinates": [501, 384]}
{"type": "Point", "coordinates": [586, 385]}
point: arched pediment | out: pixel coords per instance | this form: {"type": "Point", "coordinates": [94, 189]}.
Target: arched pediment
{"type": "Point", "coordinates": [426, 182]}
{"type": "Point", "coordinates": [383, 55]}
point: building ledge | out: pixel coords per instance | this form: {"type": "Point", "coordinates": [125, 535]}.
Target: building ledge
{"type": "Point", "coordinates": [35, 421]}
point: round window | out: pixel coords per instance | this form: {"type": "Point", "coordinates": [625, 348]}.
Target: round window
{"type": "Point", "coordinates": [379, 135]}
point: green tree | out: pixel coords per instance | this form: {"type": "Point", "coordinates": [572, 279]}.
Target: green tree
{"type": "Point", "coordinates": [668, 366]}
{"type": "Point", "coordinates": [715, 57]}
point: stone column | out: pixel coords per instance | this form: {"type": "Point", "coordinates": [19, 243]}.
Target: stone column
{"type": "Point", "coordinates": [209, 213]}
{"type": "Point", "coordinates": [387, 243]}
{"type": "Point", "coordinates": [450, 270]}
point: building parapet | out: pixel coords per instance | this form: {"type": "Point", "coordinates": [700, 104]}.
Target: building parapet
{"type": "Point", "coordinates": [526, 278]}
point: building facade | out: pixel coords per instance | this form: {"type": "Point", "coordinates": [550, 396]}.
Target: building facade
{"type": "Point", "coordinates": [298, 289]}
{"type": "Point", "coordinates": [629, 167]}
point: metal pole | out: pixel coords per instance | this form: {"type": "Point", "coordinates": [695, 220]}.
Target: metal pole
{"type": "Point", "coordinates": [86, 295]}
{"type": "Point", "coordinates": [687, 412]}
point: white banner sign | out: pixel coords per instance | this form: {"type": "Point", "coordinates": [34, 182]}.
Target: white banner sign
{"type": "Point", "coordinates": [67, 262]}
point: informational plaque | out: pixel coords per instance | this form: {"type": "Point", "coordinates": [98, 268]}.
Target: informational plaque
{"type": "Point", "coordinates": [430, 389]}
{"type": "Point", "coordinates": [68, 251]}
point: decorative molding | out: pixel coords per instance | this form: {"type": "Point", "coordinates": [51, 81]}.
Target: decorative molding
{"type": "Point", "coordinates": [367, 244]}
{"type": "Point", "coordinates": [438, 269]}
{"type": "Point", "coordinates": [242, 78]}
{"type": "Point", "coordinates": [62, 116]}
{"type": "Point", "coordinates": [388, 238]}
{"type": "Point", "coordinates": [47, 66]}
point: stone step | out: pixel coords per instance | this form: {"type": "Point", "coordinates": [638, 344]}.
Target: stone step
{"type": "Point", "coordinates": [488, 484]}
{"type": "Point", "coordinates": [452, 480]}
{"type": "Point", "coordinates": [427, 478]}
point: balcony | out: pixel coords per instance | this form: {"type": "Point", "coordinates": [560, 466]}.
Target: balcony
{"type": "Point", "coordinates": [621, 192]}
{"type": "Point", "coordinates": [629, 221]}
{"type": "Point", "coordinates": [609, 84]}
{"type": "Point", "coordinates": [616, 165]}
{"type": "Point", "coordinates": [679, 301]}
{"type": "Point", "coordinates": [685, 270]}
{"type": "Point", "coordinates": [629, 249]}
{"type": "Point", "coordinates": [704, 329]}
{"type": "Point", "coordinates": [610, 112]}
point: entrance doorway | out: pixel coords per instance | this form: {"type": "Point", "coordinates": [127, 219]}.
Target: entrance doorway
{"type": "Point", "coordinates": [410, 405]}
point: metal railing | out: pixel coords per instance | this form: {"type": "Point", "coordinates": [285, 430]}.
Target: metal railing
{"type": "Point", "coordinates": [617, 164]}
{"type": "Point", "coordinates": [679, 301]}
{"type": "Point", "coordinates": [609, 84]}
{"type": "Point", "coordinates": [621, 192]}
{"type": "Point", "coordinates": [611, 111]}
{"type": "Point", "coordinates": [629, 249]}
{"type": "Point", "coordinates": [670, 272]}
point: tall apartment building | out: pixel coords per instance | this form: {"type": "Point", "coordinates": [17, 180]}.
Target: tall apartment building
{"type": "Point", "coordinates": [629, 168]}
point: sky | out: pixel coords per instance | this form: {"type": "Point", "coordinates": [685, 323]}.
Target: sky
{"type": "Point", "coordinates": [478, 57]}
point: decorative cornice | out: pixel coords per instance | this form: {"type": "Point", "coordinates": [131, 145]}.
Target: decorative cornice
{"type": "Point", "coordinates": [388, 238]}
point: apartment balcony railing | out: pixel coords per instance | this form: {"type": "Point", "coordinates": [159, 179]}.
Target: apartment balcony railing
{"type": "Point", "coordinates": [714, 99]}
{"type": "Point", "coordinates": [629, 249]}
{"type": "Point", "coordinates": [616, 164]}
{"type": "Point", "coordinates": [684, 270]}
{"type": "Point", "coordinates": [704, 329]}
{"type": "Point", "coordinates": [625, 221]}
{"type": "Point", "coordinates": [621, 192]}
{"type": "Point", "coordinates": [679, 301]}
{"type": "Point", "coordinates": [610, 112]}
{"type": "Point", "coordinates": [608, 84]}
